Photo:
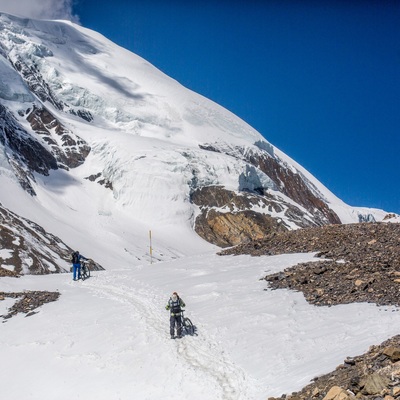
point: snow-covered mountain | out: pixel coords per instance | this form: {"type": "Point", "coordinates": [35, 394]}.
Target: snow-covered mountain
{"type": "Point", "coordinates": [98, 146]}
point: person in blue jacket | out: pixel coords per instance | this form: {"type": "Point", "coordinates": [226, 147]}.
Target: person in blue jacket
{"type": "Point", "coordinates": [76, 264]}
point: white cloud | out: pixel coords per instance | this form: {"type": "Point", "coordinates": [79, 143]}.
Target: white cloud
{"type": "Point", "coordinates": [39, 9]}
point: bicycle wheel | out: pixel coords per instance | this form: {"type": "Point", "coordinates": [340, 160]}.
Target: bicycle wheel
{"type": "Point", "coordinates": [85, 273]}
{"type": "Point", "coordinates": [188, 326]}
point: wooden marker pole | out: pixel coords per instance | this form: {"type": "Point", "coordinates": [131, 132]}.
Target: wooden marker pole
{"type": "Point", "coordinates": [151, 249]}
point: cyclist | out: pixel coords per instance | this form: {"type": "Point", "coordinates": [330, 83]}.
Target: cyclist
{"type": "Point", "coordinates": [76, 264]}
{"type": "Point", "coordinates": [175, 305]}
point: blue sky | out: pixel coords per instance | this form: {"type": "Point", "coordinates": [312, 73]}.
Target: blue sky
{"type": "Point", "coordinates": [320, 79]}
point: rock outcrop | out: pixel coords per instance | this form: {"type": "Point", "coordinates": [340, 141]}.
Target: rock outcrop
{"type": "Point", "coordinates": [282, 177]}
{"type": "Point", "coordinates": [69, 150]}
{"type": "Point", "coordinates": [228, 219]}
{"type": "Point", "coordinates": [25, 154]}
{"type": "Point", "coordinates": [28, 249]}
{"type": "Point", "coordinates": [296, 186]}
{"type": "Point", "coordinates": [47, 147]}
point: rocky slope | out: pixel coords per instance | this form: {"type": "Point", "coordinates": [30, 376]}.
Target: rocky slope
{"type": "Point", "coordinates": [359, 263]}
{"type": "Point", "coordinates": [26, 248]}
{"type": "Point", "coordinates": [374, 375]}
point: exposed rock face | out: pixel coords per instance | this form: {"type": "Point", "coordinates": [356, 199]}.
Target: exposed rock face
{"type": "Point", "coordinates": [271, 197]}
{"type": "Point", "coordinates": [84, 114]}
{"type": "Point", "coordinates": [293, 184]}
{"type": "Point", "coordinates": [392, 218]}
{"type": "Point", "coordinates": [28, 249]}
{"type": "Point", "coordinates": [53, 147]}
{"type": "Point", "coordinates": [227, 218]}
{"type": "Point", "coordinates": [69, 150]}
{"type": "Point", "coordinates": [30, 68]}
{"type": "Point", "coordinates": [24, 153]}
{"type": "Point", "coordinates": [32, 76]}
{"type": "Point", "coordinates": [6, 272]}
{"type": "Point", "coordinates": [101, 180]}
{"type": "Point", "coordinates": [283, 178]}
{"type": "Point", "coordinates": [229, 229]}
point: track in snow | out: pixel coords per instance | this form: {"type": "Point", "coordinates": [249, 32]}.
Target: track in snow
{"type": "Point", "coordinates": [198, 353]}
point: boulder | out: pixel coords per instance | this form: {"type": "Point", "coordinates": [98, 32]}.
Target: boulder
{"type": "Point", "coordinates": [396, 391]}
{"type": "Point", "coordinates": [337, 393]}
{"type": "Point", "coordinates": [374, 384]}
{"type": "Point", "coordinates": [393, 353]}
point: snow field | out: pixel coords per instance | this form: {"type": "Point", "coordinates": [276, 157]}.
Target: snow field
{"type": "Point", "coordinates": [108, 337]}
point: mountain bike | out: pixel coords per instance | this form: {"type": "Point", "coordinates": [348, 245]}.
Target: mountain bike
{"type": "Point", "coordinates": [187, 325]}
{"type": "Point", "coordinates": [85, 271]}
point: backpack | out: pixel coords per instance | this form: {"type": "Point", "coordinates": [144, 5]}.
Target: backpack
{"type": "Point", "coordinates": [176, 306]}
{"type": "Point", "coordinates": [75, 258]}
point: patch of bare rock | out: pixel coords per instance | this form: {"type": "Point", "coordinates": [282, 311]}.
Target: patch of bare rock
{"type": "Point", "coordinates": [5, 272]}
{"type": "Point", "coordinates": [358, 263]}
{"type": "Point", "coordinates": [373, 375]}
{"type": "Point", "coordinates": [28, 301]}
